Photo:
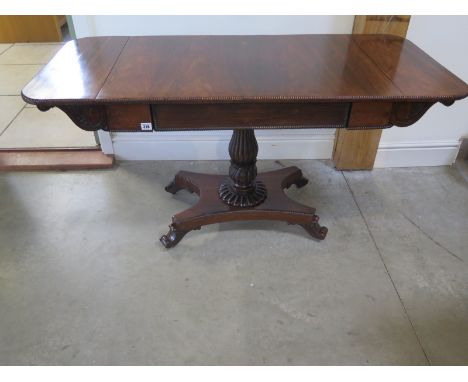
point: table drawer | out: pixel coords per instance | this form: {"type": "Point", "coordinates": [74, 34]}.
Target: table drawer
{"type": "Point", "coordinates": [128, 117]}
{"type": "Point", "coordinates": [237, 115]}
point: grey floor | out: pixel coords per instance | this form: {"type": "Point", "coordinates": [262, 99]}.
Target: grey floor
{"type": "Point", "coordinates": [84, 280]}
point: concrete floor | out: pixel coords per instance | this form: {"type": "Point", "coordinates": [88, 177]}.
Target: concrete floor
{"type": "Point", "coordinates": [84, 279]}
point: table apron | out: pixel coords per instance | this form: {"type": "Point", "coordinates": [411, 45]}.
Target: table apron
{"type": "Point", "coordinates": [228, 116]}
{"type": "Point", "coordinates": [239, 115]}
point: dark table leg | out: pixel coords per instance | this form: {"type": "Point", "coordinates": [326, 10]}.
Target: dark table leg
{"type": "Point", "coordinates": [243, 195]}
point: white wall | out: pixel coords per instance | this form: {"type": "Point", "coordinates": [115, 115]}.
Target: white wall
{"type": "Point", "coordinates": [209, 25]}
{"type": "Point", "coordinates": [274, 144]}
{"type": "Point", "coordinates": [435, 138]}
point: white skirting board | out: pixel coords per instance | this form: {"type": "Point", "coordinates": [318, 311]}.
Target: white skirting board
{"type": "Point", "coordinates": [105, 140]}
{"type": "Point", "coordinates": [289, 144]}
{"type": "Point", "coordinates": [416, 154]}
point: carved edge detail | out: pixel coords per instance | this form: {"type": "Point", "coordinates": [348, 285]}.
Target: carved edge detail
{"type": "Point", "coordinates": [172, 237]}
{"type": "Point", "coordinates": [406, 113]}
{"type": "Point", "coordinates": [265, 99]}
{"type": "Point", "coordinates": [232, 197]}
{"type": "Point", "coordinates": [94, 117]}
{"type": "Point", "coordinates": [86, 117]}
{"type": "Point", "coordinates": [315, 229]}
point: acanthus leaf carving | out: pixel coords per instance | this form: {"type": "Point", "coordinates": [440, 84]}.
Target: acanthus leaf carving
{"type": "Point", "coordinates": [86, 117]}
{"type": "Point", "coordinates": [406, 113]}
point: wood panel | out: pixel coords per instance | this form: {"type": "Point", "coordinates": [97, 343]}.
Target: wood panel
{"type": "Point", "coordinates": [77, 72]}
{"type": "Point", "coordinates": [245, 68]}
{"type": "Point", "coordinates": [30, 29]}
{"type": "Point", "coordinates": [411, 69]}
{"type": "Point", "coordinates": [61, 20]}
{"type": "Point", "coordinates": [238, 69]}
{"type": "Point", "coordinates": [353, 149]}
{"type": "Point", "coordinates": [127, 117]}
{"type": "Point", "coordinates": [356, 150]}
{"type": "Point", "coordinates": [54, 159]}
{"type": "Point", "coordinates": [370, 114]}
{"type": "Point", "coordinates": [394, 25]}
{"type": "Point", "coordinates": [264, 115]}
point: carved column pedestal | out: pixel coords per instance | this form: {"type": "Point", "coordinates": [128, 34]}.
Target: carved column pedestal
{"type": "Point", "coordinates": [242, 189]}
{"type": "Point", "coordinates": [241, 196]}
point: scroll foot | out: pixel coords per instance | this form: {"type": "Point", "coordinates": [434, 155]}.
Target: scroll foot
{"type": "Point", "coordinates": [315, 229]}
{"type": "Point", "coordinates": [172, 237]}
{"type": "Point", "coordinates": [172, 187]}
{"type": "Point", "coordinates": [301, 182]}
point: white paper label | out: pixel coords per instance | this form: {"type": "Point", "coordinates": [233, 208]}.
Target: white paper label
{"type": "Point", "coordinates": [146, 126]}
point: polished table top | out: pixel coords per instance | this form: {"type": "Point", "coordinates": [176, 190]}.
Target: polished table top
{"type": "Point", "coordinates": [288, 68]}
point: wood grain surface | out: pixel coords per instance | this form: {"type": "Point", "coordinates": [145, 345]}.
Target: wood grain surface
{"type": "Point", "coordinates": [76, 73]}
{"type": "Point", "coordinates": [355, 149]}
{"type": "Point", "coordinates": [30, 28]}
{"type": "Point", "coordinates": [263, 115]}
{"type": "Point", "coordinates": [54, 159]}
{"type": "Point", "coordinates": [242, 69]}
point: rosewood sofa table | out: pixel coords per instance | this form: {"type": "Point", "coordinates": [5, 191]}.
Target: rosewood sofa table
{"type": "Point", "coordinates": [242, 83]}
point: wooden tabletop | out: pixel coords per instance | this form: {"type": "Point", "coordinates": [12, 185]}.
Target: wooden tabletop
{"type": "Point", "coordinates": [284, 68]}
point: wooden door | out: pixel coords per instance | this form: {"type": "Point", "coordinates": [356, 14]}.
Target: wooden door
{"type": "Point", "coordinates": [31, 28]}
